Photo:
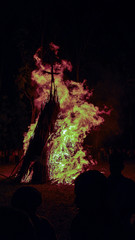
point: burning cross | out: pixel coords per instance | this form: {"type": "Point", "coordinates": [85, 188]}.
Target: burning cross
{"type": "Point", "coordinates": [52, 73]}
{"type": "Point", "coordinates": [52, 80]}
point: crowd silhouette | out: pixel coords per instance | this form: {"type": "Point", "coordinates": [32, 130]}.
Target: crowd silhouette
{"type": "Point", "coordinates": [106, 208]}
{"type": "Point", "coordinates": [28, 199]}
{"type": "Point", "coordinates": [106, 205]}
{"type": "Point", "coordinates": [120, 199]}
{"type": "Point", "coordinates": [15, 224]}
{"type": "Point", "coordinates": [90, 192]}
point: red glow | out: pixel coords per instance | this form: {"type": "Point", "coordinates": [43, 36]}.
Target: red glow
{"type": "Point", "coordinates": [66, 156]}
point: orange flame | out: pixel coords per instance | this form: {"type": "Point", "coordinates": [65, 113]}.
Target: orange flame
{"type": "Point", "coordinates": [77, 117]}
{"type": "Point", "coordinates": [28, 135]}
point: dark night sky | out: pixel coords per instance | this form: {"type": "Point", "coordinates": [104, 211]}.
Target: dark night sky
{"type": "Point", "coordinates": [99, 34]}
{"type": "Point", "coordinates": [108, 27]}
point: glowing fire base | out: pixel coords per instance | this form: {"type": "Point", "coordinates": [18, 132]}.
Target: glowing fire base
{"type": "Point", "coordinates": [77, 117]}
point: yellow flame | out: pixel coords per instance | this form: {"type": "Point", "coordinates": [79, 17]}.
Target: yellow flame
{"type": "Point", "coordinates": [28, 176]}
{"type": "Point", "coordinates": [28, 135]}
{"type": "Point", "coordinates": [77, 117]}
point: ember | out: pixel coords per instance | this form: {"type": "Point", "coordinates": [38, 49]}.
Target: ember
{"type": "Point", "coordinates": [66, 157]}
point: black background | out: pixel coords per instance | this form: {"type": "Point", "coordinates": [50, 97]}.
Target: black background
{"type": "Point", "coordinates": [98, 35]}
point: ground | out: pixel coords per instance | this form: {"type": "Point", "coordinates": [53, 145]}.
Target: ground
{"type": "Point", "coordinates": [58, 200]}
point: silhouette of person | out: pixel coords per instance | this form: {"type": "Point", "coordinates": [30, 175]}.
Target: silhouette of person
{"type": "Point", "coordinates": [90, 194]}
{"type": "Point", "coordinates": [120, 199]}
{"type": "Point", "coordinates": [15, 224]}
{"type": "Point", "coordinates": [29, 199]}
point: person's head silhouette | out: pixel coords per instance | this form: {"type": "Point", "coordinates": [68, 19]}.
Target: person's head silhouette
{"type": "Point", "coordinates": [27, 198]}
{"type": "Point", "coordinates": [90, 190]}
{"type": "Point", "coordinates": [116, 162]}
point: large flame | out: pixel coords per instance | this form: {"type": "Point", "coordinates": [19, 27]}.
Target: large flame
{"type": "Point", "coordinates": [66, 156]}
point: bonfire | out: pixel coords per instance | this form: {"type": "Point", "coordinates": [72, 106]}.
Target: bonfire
{"type": "Point", "coordinates": [65, 118]}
